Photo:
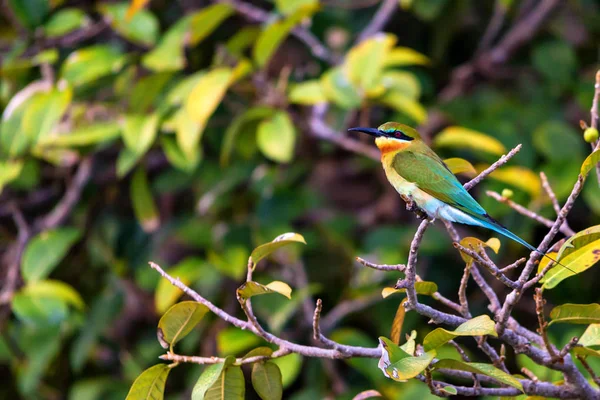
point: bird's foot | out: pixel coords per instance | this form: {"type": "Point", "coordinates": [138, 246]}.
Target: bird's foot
{"type": "Point", "coordinates": [413, 207]}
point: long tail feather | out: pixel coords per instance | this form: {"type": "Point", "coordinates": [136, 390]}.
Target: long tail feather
{"type": "Point", "coordinates": [495, 226]}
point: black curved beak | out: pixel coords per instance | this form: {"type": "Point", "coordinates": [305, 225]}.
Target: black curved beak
{"type": "Point", "coordinates": [368, 131]}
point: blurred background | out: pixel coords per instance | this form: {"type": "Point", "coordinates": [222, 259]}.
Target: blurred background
{"type": "Point", "coordinates": [190, 132]}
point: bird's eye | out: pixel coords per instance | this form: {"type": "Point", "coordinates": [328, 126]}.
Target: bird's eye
{"type": "Point", "coordinates": [401, 135]}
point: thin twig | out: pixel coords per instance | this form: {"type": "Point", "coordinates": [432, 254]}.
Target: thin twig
{"type": "Point", "coordinates": [564, 228]}
{"type": "Point", "coordinates": [490, 266]}
{"type": "Point", "coordinates": [543, 325]}
{"type": "Point", "coordinates": [379, 20]}
{"type": "Point", "coordinates": [550, 192]}
{"type": "Point", "coordinates": [462, 292]}
{"type": "Point", "coordinates": [503, 160]}
{"type": "Point", "coordinates": [381, 267]}
{"type": "Point", "coordinates": [589, 370]}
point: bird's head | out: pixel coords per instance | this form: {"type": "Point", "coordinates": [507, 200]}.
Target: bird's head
{"type": "Point", "coordinates": [391, 136]}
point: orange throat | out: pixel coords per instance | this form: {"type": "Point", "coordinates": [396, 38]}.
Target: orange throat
{"type": "Point", "coordinates": [387, 145]}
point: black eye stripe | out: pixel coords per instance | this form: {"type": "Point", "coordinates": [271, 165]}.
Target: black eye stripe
{"type": "Point", "coordinates": [402, 135]}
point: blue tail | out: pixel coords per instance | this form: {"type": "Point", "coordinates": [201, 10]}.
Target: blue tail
{"type": "Point", "coordinates": [494, 225]}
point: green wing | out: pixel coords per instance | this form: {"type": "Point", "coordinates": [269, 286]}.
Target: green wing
{"type": "Point", "coordinates": [430, 174]}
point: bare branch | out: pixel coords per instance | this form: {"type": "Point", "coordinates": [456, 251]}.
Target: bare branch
{"type": "Point", "coordinates": [528, 213]}
{"type": "Point", "coordinates": [379, 20]}
{"type": "Point", "coordinates": [503, 160]}
{"type": "Point", "coordinates": [382, 267]}
{"type": "Point", "coordinates": [543, 325]}
{"type": "Point", "coordinates": [550, 192]}
{"type": "Point", "coordinates": [490, 266]}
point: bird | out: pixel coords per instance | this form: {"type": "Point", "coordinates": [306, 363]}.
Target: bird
{"type": "Point", "coordinates": [421, 177]}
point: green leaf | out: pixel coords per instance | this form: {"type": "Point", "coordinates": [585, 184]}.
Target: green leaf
{"type": "Point", "coordinates": [364, 62]}
{"type": "Point", "coordinates": [273, 35]}
{"type": "Point", "coordinates": [266, 380]}
{"type": "Point", "coordinates": [579, 253]}
{"type": "Point", "coordinates": [143, 204]}
{"type": "Point", "coordinates": [84, 136]}
{"type": "Point", "coordinates": [45, 251]}
{"type": "Point", "coordinates": [141, 29]}
{"type": "Point", "coordinates": [44, 112]}
{"type": "Point", "coordinates": [236, 126]}
{"type": "Point", "coordinates": [231, 341]}
{"type": "Point", "coordinates": [460, 166]}
{"type": "Point", "coordinates": [591, 336]}
{"type": "Point", "coordinates": [519, 177]}
{"type": "Point", "coordinates": [405, 105]}
{"type": "Point", "coordinates": [450, 390]}
{"type": "Point", "coordinates": [474, 243]}
{"type": "Point", "coordinates": [9, 171]}
{"type": "Point", "coordinates": [463, 138]}
{"type": "Point", "coordinates": [30, 13]}
{"type": "Point", "coordinates": [250, 289]}
{"type": "Point", "coordinates": [209, 377]}
{"type": "Point", "coordinates": [290, 367]}
{"type": "Point", "coordinates": [398, 365]}
{"type": "Point", "coordinates": [401, 56]}
{"type": "Point", "coordinates": [204, 22]}
{"type": "Point", "coordinates": [188, 133]}
{"type": "Point", "coordinates": [88, 64]}
{"type": "Point", "coordinates": [338, 89]}
{"type": "Point", "coordinates": [168, 54]}
{"type": "Point", "coordinates": [285, 239]}
{"type": "Point", "coordinates": [424, 287]}
{"type": "Point", "coordinates": [288, 7]}
{"type": "Point", "coordinates": [65, 21]}
{"type": "Point", "coordinates": [480, 368]}
{"type": "Point", "coordinates": [146, 90]}
{"type": "Point", "coordinates": [478, 326]}
{"type": "Point", "coordinates": [178, 321]}
{"type": "Point", "coordinates": [207, 94]}
{"type": "Point", "coordinates": [403, 83]}
{"type": "Point", "coordinates": [229, 386]}
{"type": "Point", "coordinates": [186, 271]}
{"type": "Point", "coordinates": [259, 351]}
{"type": "Point", "coordinates": [576, 314]}
{"type": "Point", "coordinates": [56, 289]}
{"type": "Point", "coordinates": [276, 137]}
{"type": "Point", "coordinates": [39, 311]}
{"type": "Point", "coordinates": [590, 162]}
{"type": "Point", "coordinates": [177, 157]}
{"type": "Point", "coordinates": [150, 384]}
{"type": "Point", "coordinates": [307, 93]}
{"type": "Point", "coordinates": [586, 352]}
{"type": "Point", "coordinates": [139, 132]}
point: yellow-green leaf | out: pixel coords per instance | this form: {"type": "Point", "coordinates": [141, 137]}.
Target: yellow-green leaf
{"type": "Point", "coordinates": [207, 94]}
{"type": "Point", "coordinates": [205, 21]}
{"type": "Point", "coordinates": [235, 127]}
{"type": "Point", "coordinates": [143, 204]}
{"type": "Point", "coordinates": [400, 56]}
{"type": "Point", "coordinates": [168, 54]}
{"type": "Point", "coordinates": [179, 320]}
{"type": "Point", "coordinates": [579, 253]}
{"type": "Point", "coordinates": [45, 251]}
{"type": "Point", "coordinates": [83, 136]}
{"type": "Point", "coordinates": [338, 89]}
{"type": "Point", "coordinates": [188, 133]}
{"type": "Point", "coordinates": [364, 62]}
{"type": "Point", "coordinates": [276, 137]}
{"type": "Point", "coordinates": [266, 380]}
{"type": "Point", "coordinates": [88, 64]}
{"type": "Point", "coordinates": [464, 138]}
{"type": "Point", "coordinates": [478, 326]}
{"type": "Point", "coordinates": [141, 28]}
{"type": "Point", "coordinates": [139, 132]}
{"type": "Point", "coordinates": [404, 83]}
{"type": "Point", "coordinates": [307, 93]}
{"type": "Point", "coordinates": [54, 289]}
{"type": "Point", "coordinates": [590, 162]}
{"type": "Point", "coordinates": [591, 336]}
{"type": "Point", "coordinates": [187, 272]}
{"type": "Point", "coordinates": [209, 377]}
{"type": "Point", "coordinates": [519, 177]}
{"type": "Point", "coordinates": [284, 239]}
{"type": "Point", "coordinates": [273, 35]}
{"type": "Point", "coordinates": [150, 384]}
{"type": "Point", "coordinates": [423, 287]}
{"type": "Point", "coordinates": [251, 288]}
{"type": "Point", "coordinates": [460, 166]}
{"type": "Point", "coordinates": [398, 365]}
{"type": "Point", "coordinates": [229, 386]}
{"type": "Point", "coordinates": [480, 368]}
{"type": "Point", "coordinates": [9, 171]}
{"type": "Point", "coordinates": [287, 7]}
{"type": "Point", "coordinates": [576, 314]}
{"type": "Point", "coordinates": [405, 105]}
{"type": "Point", "coordinates": [474, 243]}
